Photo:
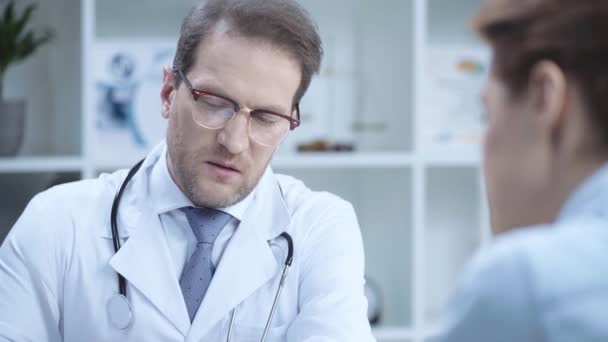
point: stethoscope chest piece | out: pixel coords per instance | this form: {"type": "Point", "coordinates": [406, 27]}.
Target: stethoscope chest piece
{"type": "Point", "coordinates": [119, 312]}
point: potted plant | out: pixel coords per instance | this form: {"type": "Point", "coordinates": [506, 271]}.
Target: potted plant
{"type": "Point", "coordinates": [16, 44]}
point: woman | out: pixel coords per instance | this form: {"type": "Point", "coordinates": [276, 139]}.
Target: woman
{"type": "Point", "coordinates": [545, 277]}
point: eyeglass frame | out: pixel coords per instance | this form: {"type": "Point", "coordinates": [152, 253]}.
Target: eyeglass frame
{"type": "Point", "coordinates": [197, 93]}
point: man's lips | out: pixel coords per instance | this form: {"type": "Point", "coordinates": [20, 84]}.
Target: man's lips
{"type": "Point", "coordinates": [224, 165]}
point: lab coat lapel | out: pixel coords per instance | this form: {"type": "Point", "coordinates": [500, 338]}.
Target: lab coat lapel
{"type": "Point", "coordinates": [145, 262]}
{"type": "Point", "coordinates": [248, 261]}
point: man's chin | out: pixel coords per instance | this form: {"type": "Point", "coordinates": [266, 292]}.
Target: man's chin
{"type": "Point", "coordinates": [220, 196]}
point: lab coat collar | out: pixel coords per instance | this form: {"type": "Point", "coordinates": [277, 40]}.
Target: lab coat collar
{"type": "Point", "coordinates": [165, 195]}
{"type": "Point", "coordinates": [154, 183]}
{"type": "Point", "coordinates": [271, 207]}
{"type": "Point", "coordinates": [136, 190]}
{"type": "Point", "coordinates": [589, 199]}
{"type": "Point", "coordinates": [248, 262]}
{"type": "Point", "coordinates": [145, 262]}
{"type": "Point", "coordinates": [144, 259]}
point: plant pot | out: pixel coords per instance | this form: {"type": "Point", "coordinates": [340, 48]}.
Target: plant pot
{"type": "Point", "coordinates": [12, 127]}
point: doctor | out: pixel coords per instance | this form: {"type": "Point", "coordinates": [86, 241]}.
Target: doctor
{"type": "Point", "coordinates": [544, 278]}
{"type": "Point", "coordinates": [200, 222]}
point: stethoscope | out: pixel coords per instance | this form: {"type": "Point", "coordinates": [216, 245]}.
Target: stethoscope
{"type": "Point", "coordinates": [120, 312]}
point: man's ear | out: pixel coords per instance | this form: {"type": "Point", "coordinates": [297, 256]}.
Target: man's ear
{"type": "Point", "coordinates": [548, 95]}
{"type": "Point", "coordinates": [167, 92]}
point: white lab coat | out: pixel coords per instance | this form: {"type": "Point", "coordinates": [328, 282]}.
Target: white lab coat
{"type": "Point", "coordinates": [58, 268]}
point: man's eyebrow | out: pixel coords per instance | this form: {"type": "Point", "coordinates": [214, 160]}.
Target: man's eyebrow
{"type": "Point", "coordinates": [215, 88]}
{"type": "Point", "coordinates": [210, 86]}
{"type": "Point", "coordinates": [273, 109]}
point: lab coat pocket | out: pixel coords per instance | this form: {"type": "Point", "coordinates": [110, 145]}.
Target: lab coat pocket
{"type": "Point", "coordinates": [247, 333]}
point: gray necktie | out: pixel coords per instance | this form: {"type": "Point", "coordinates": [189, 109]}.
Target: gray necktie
{"type": "Point", "coordinates": [206, 225]}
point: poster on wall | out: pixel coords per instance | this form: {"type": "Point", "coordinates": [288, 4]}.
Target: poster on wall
{"type": "Point", "coordinates": [453, 116]}
{"type": "Point", "coordinates": [127, 77]}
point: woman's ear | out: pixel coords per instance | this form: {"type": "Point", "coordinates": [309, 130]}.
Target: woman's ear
{"type": "Point", "coordinates": [167, 92]}
{"type": "Point", "coordinates": [548, 96]}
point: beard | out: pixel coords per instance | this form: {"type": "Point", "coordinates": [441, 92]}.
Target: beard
{"type": "Point", "coordinates": [184, 168]}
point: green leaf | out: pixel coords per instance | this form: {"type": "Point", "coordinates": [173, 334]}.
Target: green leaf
{"type": "Point", "coordinates": [45, 38]}
{"type": "Point", "coordinates": [20, 24]}
{"type": "Point", "coordinates": [7, 49]}
{"type": "Point", "coordinates": [4, 42]}
{"type": "Point", "coordinates": [26, 46]}
{"type": "Point", "coordinates": [36, 43]}
{"type": "Point", "coordinates": [16, 43]}
{"type": "Point", "coordinates": [9, 13]}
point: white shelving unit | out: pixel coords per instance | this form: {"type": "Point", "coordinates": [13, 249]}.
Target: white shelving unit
{"type": "Point", "coordinates": [40, 164]}
{"type": "Point", "coordinates": [422, 212]}
{"type": "Point", "coordinates": [341, 160]}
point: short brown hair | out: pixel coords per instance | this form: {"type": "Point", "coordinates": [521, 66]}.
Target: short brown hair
{"type": "Point", "coordinates": [282, 23]}
{"type": "Point", "coordinates": [571, 33]}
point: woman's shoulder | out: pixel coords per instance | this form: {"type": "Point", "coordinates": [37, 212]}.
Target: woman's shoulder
{"type": "Point", "coordinates": [552, 262]}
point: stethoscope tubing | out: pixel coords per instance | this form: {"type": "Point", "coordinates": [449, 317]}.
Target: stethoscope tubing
{"type": "Point", "coordinates": [277, 296]}
{"type": "Point", "coordinates": [122, 282]}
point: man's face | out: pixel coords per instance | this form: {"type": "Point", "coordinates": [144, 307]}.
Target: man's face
{"type": "Point", "coordinates": [217, 168]}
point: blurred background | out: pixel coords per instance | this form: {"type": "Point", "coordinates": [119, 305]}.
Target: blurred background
{"type": "Point", "coordinates": [393, 124]}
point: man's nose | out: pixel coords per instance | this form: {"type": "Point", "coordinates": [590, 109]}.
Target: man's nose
{"type": "Point", "coordinates": [235, 136]}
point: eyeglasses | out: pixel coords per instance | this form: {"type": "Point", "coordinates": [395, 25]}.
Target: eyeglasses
{"type": "Point", "coordinates": [214, 111]}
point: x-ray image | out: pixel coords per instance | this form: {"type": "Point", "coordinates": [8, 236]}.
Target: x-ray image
{"type": "Point", "coordinates": [128, 78]}
{"type": "Point", "coordinates": [116, 107]}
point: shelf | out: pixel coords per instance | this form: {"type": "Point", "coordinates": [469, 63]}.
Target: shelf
{"type": "Point", "coordinates": [319, 160]}
{"type": "Point", "coordinates": [393, 334]}
{"type": "Point", "coordinates": [40, 164]}
{"type": "Point", "coordinates": [452, 157]}
{"type": "Point", "coordinates": [315, 160]}
{"type": "Point", "coordinates": [348, 160]}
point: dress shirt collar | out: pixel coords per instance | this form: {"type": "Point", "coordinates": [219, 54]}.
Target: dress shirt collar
{"type": "Point", "coordinates": [590, 198]}
{"type": "Point", "coordinates": [167, 196]}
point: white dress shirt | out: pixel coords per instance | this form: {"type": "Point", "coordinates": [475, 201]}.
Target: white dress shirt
{"type": "Point", "coordinates": [167, 199]}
